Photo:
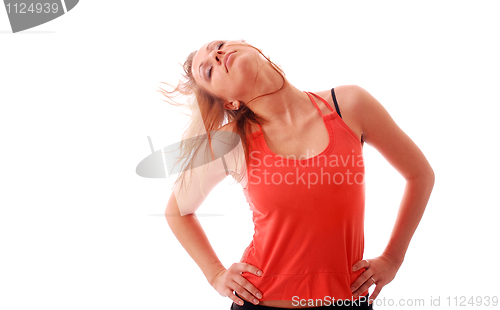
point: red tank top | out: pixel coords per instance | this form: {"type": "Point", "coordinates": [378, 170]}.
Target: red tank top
{"type": "Point", "coordinates": [308, 216]}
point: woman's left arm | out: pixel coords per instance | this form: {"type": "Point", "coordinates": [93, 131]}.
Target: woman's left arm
{"type": "Point", "coordinates": [381, 132]}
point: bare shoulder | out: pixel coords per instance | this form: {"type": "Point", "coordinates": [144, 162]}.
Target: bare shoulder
{"type": "Point", "coordinates": [231, 126]}
{"type": "Point", "coordinates": [347, 98]}
{"type": "Point", "coordinates": [345, 95]}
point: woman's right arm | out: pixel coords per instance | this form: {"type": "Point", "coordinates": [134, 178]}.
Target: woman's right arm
{"type": "Point", "coordinates": [188, 230]}
{"type": "Point", "coordinates": [180, 215]}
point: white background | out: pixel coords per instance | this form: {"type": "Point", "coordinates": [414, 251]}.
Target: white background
{"type": "Point", "coordinates": [80, 230]}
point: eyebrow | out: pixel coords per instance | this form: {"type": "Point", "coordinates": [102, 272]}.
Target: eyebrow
{"type": "Point", "coordinates": [202, 61]}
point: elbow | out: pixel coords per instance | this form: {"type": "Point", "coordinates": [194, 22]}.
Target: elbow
{"type": "Point", "coordinates": [172, 219]}
{"type": "Point", "coordinates": [168, 216]}
{"type": "Point", "coordinates": [428, 178]}
{"type": "Point", "coordinates": [172, 210]}
{"type": "Point", "coordinates": [172, 213]}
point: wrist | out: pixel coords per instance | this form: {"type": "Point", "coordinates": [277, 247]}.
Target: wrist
{"type": "Point", "coordinates": [214, 275]}
{"type": "Point", "coordinates": [397, 260]}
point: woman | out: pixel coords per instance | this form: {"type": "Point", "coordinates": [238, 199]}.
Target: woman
{"type": "Point", "coordinates": [303, 177]}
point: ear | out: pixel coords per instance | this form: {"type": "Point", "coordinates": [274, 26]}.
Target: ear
{"type": "Point", "coordinates": [232, 105]}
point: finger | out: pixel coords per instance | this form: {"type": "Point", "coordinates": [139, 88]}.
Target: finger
{"type": "Point", "coordinates": [377, 290]}
{"type": "Point", "coordinates": [251, 292]}
{"type": "Point", "coordinates": [365, 283]}
{"type": "Point", "coordinates": [229, 293]}
{"type": "Point", "coordinates": [363, 277]}
{"type": "Point", "coordinates": [249, 268]}
{"type": "Point", "coordinates": [244, 294]}
{"type": "Point", "coordinates": [361, 264]}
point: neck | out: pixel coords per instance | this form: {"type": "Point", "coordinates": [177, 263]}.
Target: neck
{"type": "Point", "coordinates": [282, 108]}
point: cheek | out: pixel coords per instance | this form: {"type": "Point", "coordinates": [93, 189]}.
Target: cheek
{"type": "Point", "coordinates": [245, 65]}
{"type": "Point", "coordinates": [244, 71]}
{"type": "Point", "coordinates": [241, 79]}
{"type": "Point", "coordinates": [223, 87]}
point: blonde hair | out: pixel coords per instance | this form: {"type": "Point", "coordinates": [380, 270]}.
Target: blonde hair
{"type": "Point", "coordinates": [207, 114]}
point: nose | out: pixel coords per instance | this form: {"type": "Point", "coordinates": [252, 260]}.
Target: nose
{"type": "Point", "coordinates": [218, 55]}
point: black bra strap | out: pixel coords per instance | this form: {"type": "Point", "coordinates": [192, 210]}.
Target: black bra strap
{"type": "Point", "coordinates": [336, 104]}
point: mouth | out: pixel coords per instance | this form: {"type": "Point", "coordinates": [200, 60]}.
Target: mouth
{"type": "Point", "coordinates": [226, 59]}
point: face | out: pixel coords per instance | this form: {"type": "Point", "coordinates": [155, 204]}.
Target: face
{"type": "Point", "coordinates": [228, 69]}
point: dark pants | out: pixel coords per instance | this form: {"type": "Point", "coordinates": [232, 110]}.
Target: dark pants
{"type": "Point", "coordinates": [249, 306]}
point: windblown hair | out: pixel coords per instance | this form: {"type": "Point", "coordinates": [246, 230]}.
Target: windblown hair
{"type": "Point", "coordinates": [208, 115]}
